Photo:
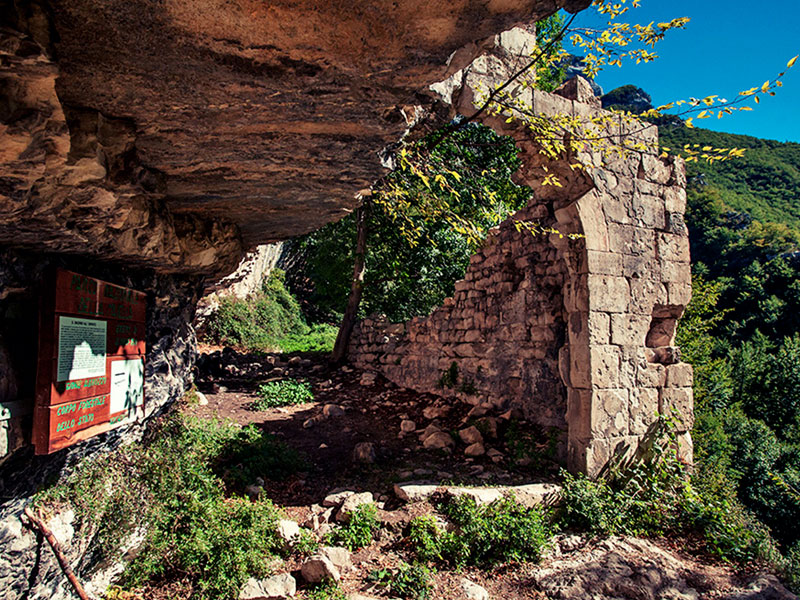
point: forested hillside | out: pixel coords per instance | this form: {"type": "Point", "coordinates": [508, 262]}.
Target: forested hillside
{"type": "Point", "coordinates": [741, 330]}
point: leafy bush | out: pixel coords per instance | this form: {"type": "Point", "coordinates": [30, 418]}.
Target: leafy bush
{"type": "Point", "coordinates": [401, 280]}
{"type": "Point", "coordinates": [589, 505]}
{"type": "Point", "coordinates": [359, 531]}
{"type": "Point", "coordinates": [501, 531]}
{"type": "Point", "coordinates": [406, 581]}
{"type": "Point", "coordinates": [305, 543]}
{"type": "Point", "coordinates": [173, 487]}
{"type": "Point", "coordinates": [791, 568]}
{"type": "Point", "coordinates": [282, 393]}
{"type": "Point", "coordinates": [269, 320]}
{"type": "Point", "coordinates": [656, 497]}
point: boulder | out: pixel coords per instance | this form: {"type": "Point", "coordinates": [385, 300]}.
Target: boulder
{"type": "Point", "coordinates": [318, 568]}
{"type": "Point", "coordinates": [438, 441]}
{"type": "Point", "coordinates": [475, 449]}
{"type": "Point", "coordinates": [351, 503]}
{"type": "Point", "coordinates": [341, 558]}
{"type": "Point", "coordinates": [471, 435]}
{"type": "Point", "coordinates": [473, 591]}
{"type": "Point", "coordinates": [408, 426]}
{"type": "Point", "coordinates": [332, 410]}
{"type": "Point", "coordinates": [276, 587]}
{"type": "Point", "coordinates": [288, 530]}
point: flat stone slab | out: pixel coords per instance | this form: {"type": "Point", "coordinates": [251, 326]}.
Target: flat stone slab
{"type": "Point", "coordinates": [531, 494]}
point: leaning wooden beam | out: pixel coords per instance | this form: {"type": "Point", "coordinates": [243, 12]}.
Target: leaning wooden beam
{"type": "Point", "coordinates": [37, 523]}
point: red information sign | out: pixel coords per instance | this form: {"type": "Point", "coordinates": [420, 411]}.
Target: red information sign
{"type": "Point", "coordinates": [91, 360]}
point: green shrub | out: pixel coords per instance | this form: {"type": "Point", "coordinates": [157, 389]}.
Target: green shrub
{"type": "Point", "coordinates": [282, 393]}
{"type": "Point", "coordinates": [270, 320]}
{"type": "Point", "coordinates": [320, 338]}
{"type": "Point", "coordinates": [501, 531]}
{"type": "Point", "coordinates": [424, 536]}
{"type": "Point", "coordinates": [305, 543]}
{"type": "Point", "coordinates": [359, 531]}
{"type": "Point", "coordinates": [173, 486]}
{"type": "Point", "coordinates": [656, 497]}
{"type": "Point", "coordinates": [406, 581]}
{"type": "Point", "coordinates": [791, 568]}
{"type": "Point", "coordinates": [589, 505]}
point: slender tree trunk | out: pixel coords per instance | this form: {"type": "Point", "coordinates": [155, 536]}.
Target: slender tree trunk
{"type": "Point", "coordinates": [356, 286]}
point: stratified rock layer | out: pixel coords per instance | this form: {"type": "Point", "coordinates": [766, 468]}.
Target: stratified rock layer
{"type": "Point", "coordinates": [158, 132]}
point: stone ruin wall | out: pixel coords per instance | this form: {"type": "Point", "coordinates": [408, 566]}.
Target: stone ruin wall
{"type": "Point", "coordinates": [577, 333]}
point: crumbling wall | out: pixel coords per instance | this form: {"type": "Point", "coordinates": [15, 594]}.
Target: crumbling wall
{"type": "Point", "coordinates": [497, 338]}
{"type": "Point", "coordinates": [578, 333]}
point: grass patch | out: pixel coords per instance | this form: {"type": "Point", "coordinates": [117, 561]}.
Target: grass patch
{"type": "Point", "coordinates": [174, 487]}
{"type": "Point", "coordinates": [282, 393]}
{"type": "Point", "coordinates": [269, 320]}
{"type": "Point", "coordinates": [486, 535]}
{"type": "Point", "coordinates": [359, 531]}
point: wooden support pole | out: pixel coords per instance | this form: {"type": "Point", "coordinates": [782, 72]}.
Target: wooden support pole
{"type": "Point", "coordinates": [37, 523]}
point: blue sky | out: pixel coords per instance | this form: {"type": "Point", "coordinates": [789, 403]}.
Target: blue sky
{"type": "Point", "coordinates": [728, 46]}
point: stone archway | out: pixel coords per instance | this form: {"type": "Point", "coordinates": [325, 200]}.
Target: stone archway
{"type": "Point", "coordinates": [576, 333]}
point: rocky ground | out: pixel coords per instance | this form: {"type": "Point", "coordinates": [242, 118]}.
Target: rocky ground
{"type": "Point", "coordinates": [366, 440]}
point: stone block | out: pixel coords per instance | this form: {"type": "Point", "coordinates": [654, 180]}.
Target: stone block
{"type": "Point", "coordinates": [675, 272]}
{"type": "Point", "coordinates": [579, 413]}
{"type": "Point", "coordinates": [629, 329]}
{"type": "Point", "coordinates": [647, 211]}
{"type": "Point", "coordinates": [610, 414]}
{"type": "Point", "coordinates": [604, 263]}
{"type": "Point", "coordinates": [679, 294]}
{"type": "Point", "coordinates": [580, 373]}
{"type": "Point", "coordinates": [651, 375]}
{"type": "Point", "coordinates": [640, 267]}
{"type": "Point", "coordinates": [675, 199]}
{"type": "Point", "coordinates": [674, 223]}
{"type": "Point", "coordinates": [576, 294]}
{"type": "Point", "coordinates": [679, 375]}
{"type": "Point", "coordinates": [620, 237]}
{"type": "Point", "coordinates": [617, 208]}
{"type": "Point", "coordinates": [679, 404]}
{"type": "Point", "coordinates": [643, 409]}
{"type": "Point", "coordinates": [550, 104]}
{"type": "Point", "coordinates": [604, 366]}
{"type": "Point", "coordinates": [599, 326]}
{"type": "Point", "coordinates": [673, 247]}
{"type": "Point", "coordinates": [656, 170]}
{"type": "Point", "coordinates": [685, 448]}
{"type": "Point", "coordinates": [593, 222]}
{"type": "Point", "coordinates": [608, 293]}
{"type": "Point", "coordinates": [645, 294]}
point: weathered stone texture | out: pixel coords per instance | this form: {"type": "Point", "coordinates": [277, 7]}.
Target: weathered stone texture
{"type": "Point", "coordinates": [578, 333]}
{"type": "Point", "coordinates": [181, 125]}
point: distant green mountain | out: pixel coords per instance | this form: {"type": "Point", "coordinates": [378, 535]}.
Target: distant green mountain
{"type": "Point", "coordinates": [765, 183]}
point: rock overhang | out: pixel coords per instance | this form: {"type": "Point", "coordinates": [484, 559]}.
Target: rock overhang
{"type": "Point", "coordinates": [263, 117]}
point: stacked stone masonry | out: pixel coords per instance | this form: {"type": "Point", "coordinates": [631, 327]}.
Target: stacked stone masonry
{"type": "Point", "coordinates": [577, 333]}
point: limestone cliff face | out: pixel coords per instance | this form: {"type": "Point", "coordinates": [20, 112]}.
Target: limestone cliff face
{"type": "Point", "coordinates": [170, 134]}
